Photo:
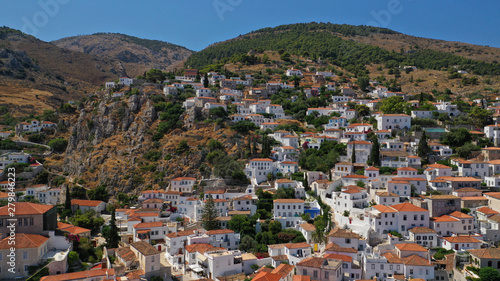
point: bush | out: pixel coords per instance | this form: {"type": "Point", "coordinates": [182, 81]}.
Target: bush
{"type": "Point", "coordinates": [59, 145]}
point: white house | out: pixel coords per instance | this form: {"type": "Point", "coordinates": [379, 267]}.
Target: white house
{"type": "Point", "coordinates": [182, 184]}
{"type": "Point", "coordinates": [288, 211]}
{"type": "Point", "coordinates": [460, 243]}
{"type": "Point", "coordinates": [400, 217]}
{"type": "Point", "coordinates": [293, 72]}
{"type": "Point", "coordinates": [393, 121]}
{"type": "Point", "coordinates": [350, 197]}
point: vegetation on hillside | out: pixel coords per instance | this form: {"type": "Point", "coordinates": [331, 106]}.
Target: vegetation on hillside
{"type": "Point", "coordinates": [320, 40]}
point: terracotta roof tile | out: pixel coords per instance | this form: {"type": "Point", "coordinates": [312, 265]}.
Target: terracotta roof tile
{"type": "Point", "coordinates": [81, 275]}
{"type": "Point", "coordinates": [422, 229]}
{"type": "Point", "coordinates": [26, 208]}
{"type": "Point", "coordinates": [411, 247]}
{"type": "Point", "coordinates": [416, 260]}
{"type": "Point", "coordinates": [24, 241]}
{"type": "Point", "coordinates": [144, 248]}
{"type": "Point", "coordinates": [88, 203]}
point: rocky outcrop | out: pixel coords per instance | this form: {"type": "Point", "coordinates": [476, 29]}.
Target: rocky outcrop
{"type": "Point", "coordinates": [106, 131]}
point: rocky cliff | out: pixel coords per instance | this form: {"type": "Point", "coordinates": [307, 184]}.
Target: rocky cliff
{"type": "Point", "coordinates": [111, 143]}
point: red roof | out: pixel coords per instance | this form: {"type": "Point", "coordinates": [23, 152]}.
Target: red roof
{"type": "Point", "coordinates": [88, 203]}
{"type": "Point", "coordinates": [81, 275]}
{"type": "Point", "coordinates": [26, 208]}
{"type": "Point", "coordinates": [24, 241]}
{"type": "Point", "coordinates": [184, 178]}
{"type": "Point", "coordinates": [261, 159]}
{"type": "Point", "coordinates": [148, 224]}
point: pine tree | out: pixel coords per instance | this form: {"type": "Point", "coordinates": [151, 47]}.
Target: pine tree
{"type": "Point", "coordinates": [423, 147]}
{"type": "Point", "coordinates": [374, 158]}
{"type": "Point", "coordinates": [255, 150]}
{"type": "Point", "coordinates": [67, 203]}
{"type": "Point", "coordinates": [209, 215]}
{"type": "Point", "coordinates": [205, 81]}
{"type": "Point", "coordinates": [114, 237]}
{"type": "Point", "coordinates": [306, 183]}
{"type": "Point", "coordinates": [353, 156]}
{"type": "Point", "coordinates": [248, 150]}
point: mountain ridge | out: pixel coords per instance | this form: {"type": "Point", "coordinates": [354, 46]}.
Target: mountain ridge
{"type": "Point", "coordinates": [137, 54]}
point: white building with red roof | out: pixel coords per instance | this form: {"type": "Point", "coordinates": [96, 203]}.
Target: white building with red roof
{"type": "Point", "coordinates": [29, 250]}
{"type": "Point", "coordinates": [257, 169]}
{"type": "Point", "coordinates": [362, 150]}
{"type": "Point", "coordinates": [182, 184]}
{"type": "Point", "coordinates": [350, 197]}
{"type": "Point", "coordinates": [86, 205]}
{"type": "Point", "coordinates": [453, 224]}
{"type": "Point", "coordinates": [437, 170]}
{"type": "Point", "coordinates": [288, 211]}
{"type": "Point", "coordinates": [461, 243]}
{"type": "Point", "coordinates": [400, 218]}
{"type": "Point", "coordinates": [393, 121]}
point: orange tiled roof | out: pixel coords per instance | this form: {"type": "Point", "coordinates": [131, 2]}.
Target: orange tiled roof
{"type": "Point", "coordinates": [24, 241]}
{"type": "Point", "coordinates": [26, 208]}
{"type": "Point", "coordinates": [411, 247]}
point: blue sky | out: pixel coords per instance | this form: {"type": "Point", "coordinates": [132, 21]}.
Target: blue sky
{"type": "Point", "coordinates": [197, 23]}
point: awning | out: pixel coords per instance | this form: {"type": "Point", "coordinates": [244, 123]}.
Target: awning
{"type": "Point", "coordinates": [196, 268]}
{"type": "Point", "coordinates": [202, 257]}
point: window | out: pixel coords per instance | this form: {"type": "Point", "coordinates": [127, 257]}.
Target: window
{"type": "Point", "coordinates": [315, 274]}
{"type": "Point", "coordinates": [304, 272]}
{"type": "Point", "coordinates": [327, 274]}
{"type": "Point", "coordinates": [153, 259]}
{"type": "Point", "coordinates": [411, 271]}
{"type": "Point", "coordinates": [373, 266]}
{"type": "Point", "coordinates": [25, 255]}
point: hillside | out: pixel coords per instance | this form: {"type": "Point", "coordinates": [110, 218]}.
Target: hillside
{"type": "Point", "coordinates": [36, 75]}
{"type": "Point", "coordinates": [137, 55]}
{"type": "Point", "coordinates": [351, 47]}
{"type": "Point", "coordinates": [113, 141]}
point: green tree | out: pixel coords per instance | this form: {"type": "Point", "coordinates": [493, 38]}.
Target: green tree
{"type": "Point", "coordinates": [244, 127]}
{"type": "Point", "coordinates": [73, 258]}
{"type": "Point", "coordinates": [353, 155]}
{"type": "Point", "coordinates": [205, 80]}
{"type": "Point", "coordinates": [248, 244]}
{"type": "Point", "coordinates": [319, 236]}
{"type": "Point", "coordinates": [67, 201]}
{"type": "Point", "coordinates": [155, 76]}
{"type": "Point", "coordinates": [374, 158]}
{"type": "Point", "coordinates": [114, 238]}
{"type": "Point", "coordinates": [209, 215]}
{"type": "Point", "coordinates": [363, 83]}
{"type": "Point", "coordinates": [275, 227]}
{"type": "Point", "coordinates": [465, 151]}
{"type": "Point", "coordinates": [480, 117]}
{"type": "Point", "coordinates": [423, 147]}
{"type": "Point", "coordinates": [59, 145]}
{"type": "Point", "coordinates": [362, 109]}
{"type": "Point", "coordinates": [182, 147]}
{"type": "Point", "coordinates": [242, 224]}
{"type": "Point", "coordinates": [394, 105]}
{"type": "Point", "coordinates": [87, 220]}
{"type": "Point", "coordinates": [489, 274]}
{"type": "Point", "coordinates": [79, 192]}
{"type": "Point", "coordinates": [98, 193]}
{"type": "Point", "coordinates": [456, 137]}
